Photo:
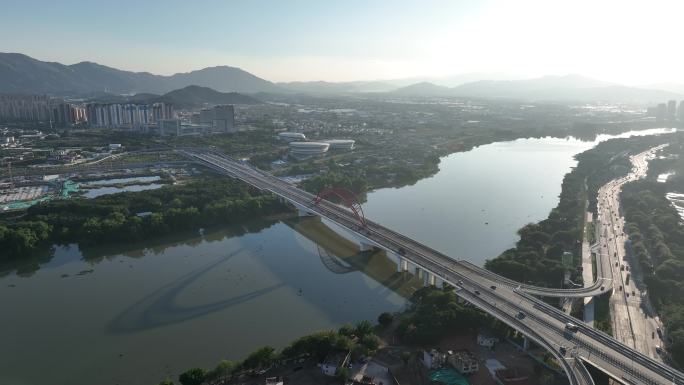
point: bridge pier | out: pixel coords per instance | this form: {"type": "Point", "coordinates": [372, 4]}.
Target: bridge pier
{"type": "Point", "coordinates": [402, 265]}
{"type": "Point", "coordinates": [303, 213]}
{"type": "Point", "coordinates": [364, 246]}
{"type": "Point", "coordinates": [429, 279]}
{"type": "Point", "coordinates": [526, 344]}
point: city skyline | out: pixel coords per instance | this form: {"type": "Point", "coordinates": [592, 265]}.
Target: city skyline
{"type": "Point", "coordinates": [308, 41]}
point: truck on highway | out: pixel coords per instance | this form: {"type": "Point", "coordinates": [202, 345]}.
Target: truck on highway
{"type": "Point", "coordinates": [627, 279]}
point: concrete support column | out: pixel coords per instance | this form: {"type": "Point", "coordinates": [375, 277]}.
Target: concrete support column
{"type": "Point", "coordinates": [526, 344]}
{"type": "Point", "coordinates": [400, 265]}
{"type": "Point", "coordinates": [404, 265]}
{"type": "Point", "coordinates": [428, 278]}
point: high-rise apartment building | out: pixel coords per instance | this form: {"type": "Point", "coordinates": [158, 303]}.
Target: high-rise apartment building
{"type": "Point", "coordinates": [671, 109]}
{"type": "Point", "coordinates": [127, 115]}
{"type": "Point", "coordinates": [221, 118]}
{"type": "Point", "coordinates": [25, 107]}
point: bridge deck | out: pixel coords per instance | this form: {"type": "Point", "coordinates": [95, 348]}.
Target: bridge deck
{"type": "Point", "coordinates": [509, 301]}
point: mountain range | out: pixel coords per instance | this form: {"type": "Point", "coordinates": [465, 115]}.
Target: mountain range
{"type": "Point", "coordinates": [548, 88]}
{"type": "Point", "coordinates": [22, 74]}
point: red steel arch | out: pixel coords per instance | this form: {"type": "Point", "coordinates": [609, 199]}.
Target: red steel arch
{"type": "Point", "coordinates": [347, 197]}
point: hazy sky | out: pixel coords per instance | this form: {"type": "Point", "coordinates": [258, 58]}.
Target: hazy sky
{"type": "Point", "coordinates": [633, 42]}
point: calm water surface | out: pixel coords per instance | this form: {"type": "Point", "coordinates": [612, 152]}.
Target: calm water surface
{"type": "Point", "coordinates": [473, 207]}
{"type": "Point", "coordinates": [137, 314]}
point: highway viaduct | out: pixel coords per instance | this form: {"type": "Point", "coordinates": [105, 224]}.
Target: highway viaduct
{"type": "Point", "coordinates": [511, 302]}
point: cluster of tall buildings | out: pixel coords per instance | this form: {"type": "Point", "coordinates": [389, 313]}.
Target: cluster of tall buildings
{"type": "Point", "coordinates": [142, 116]}
{"type": "Point", "coordinates": [115, 115]}
{"type": "Point", "coordinates": [667, 111]}
{"type": "Point", "coordinates": [39, 108]}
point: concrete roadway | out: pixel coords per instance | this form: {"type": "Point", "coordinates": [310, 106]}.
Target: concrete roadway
{"type": "Point", "coordinates": [631, 324]}
{"type": "Point", "coordinates": [531, 316]}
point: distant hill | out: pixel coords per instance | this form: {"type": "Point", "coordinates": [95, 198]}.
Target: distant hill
{"type": "Point", "coordinates": [548, 88]}
{"type": "Point", "coordinates": [423, 88]}
{"type": "Point", "coordinates": [196, 96]}
{"type": "Point", "coordinates": [22, 74]}
{"type": "Point", "coordinates": [320, 87]}
{"type": "Point", "coordinates": [187, 97]}
{"type": "Point", "coordinates": [669, 87]}
{"type": "Point", "coordinates": [562, 88]}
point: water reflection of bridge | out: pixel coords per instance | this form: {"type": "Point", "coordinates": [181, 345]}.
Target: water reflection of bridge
{"type": "Point", "coordinates": [340, 255]}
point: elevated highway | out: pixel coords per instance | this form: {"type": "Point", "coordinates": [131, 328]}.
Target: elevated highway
{"type": "Point", "coordinates": [507, 300]}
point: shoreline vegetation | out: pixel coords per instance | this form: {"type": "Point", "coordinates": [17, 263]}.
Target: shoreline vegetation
{"type": "Point", "coordinates": [537, 256]}
{"type": "Point", "coordinates": [432, 313]}
{"type": "Point", "coordinates": [134, 216]}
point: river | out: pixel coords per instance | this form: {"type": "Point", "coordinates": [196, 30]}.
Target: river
{"type": "Point", "coordinates": [137, 314]}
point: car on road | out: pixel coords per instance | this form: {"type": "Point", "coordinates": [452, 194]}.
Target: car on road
{"type": "Point", "coordinates": [520, 315]}
{"type": "Point", "coordinates": [658, 349]}
{"type": "Point", "coordinates": [571, 327]}
{"type": "Point", "coordinates": [493, 287]}
{"type": "Point", "coordinates": [477, 292]}
{"type": "Point", "coordinates": [562, 350]}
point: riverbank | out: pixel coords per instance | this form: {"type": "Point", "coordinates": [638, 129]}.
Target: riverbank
{"type": "Point", "coordinates": [537, 256]}
{"type": "Point", "coordinates": [409, 347]}
{"type": "Point", "coordinates": [134, 216]}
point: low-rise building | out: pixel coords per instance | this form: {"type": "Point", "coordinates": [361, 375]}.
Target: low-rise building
{"type": "Point", "coordinates": [512, 376]}
{"type": "Point", "coordinates": [464, 361]}
{"type": "Point", "coordinates": [487, 340]}
{"type": "Point", "coordinates": [333, 362]}
{"type": "Point", "coordinates": [433, 359]}
{"type": "Point", "coordinates": [275, 381]}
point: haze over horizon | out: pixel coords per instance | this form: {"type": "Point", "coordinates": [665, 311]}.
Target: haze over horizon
{"type": "Point", "coordinates": [622, 42]}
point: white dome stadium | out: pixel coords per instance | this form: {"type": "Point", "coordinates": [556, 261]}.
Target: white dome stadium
{"type": "Point", "coordinates": [291, 136]}
{"type": "Point", "coordinates": [341, 144]}
{"type": "Point", "coordinates": [304, 149]}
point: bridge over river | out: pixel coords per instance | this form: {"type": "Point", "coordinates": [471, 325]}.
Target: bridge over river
{"type": "Point", "coordinates": [511, 302]}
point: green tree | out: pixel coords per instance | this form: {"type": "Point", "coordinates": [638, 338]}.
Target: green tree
{"type": "Point", "coordinates": [194, 376]}
{"type": "Point", "coordinates": [363, 328]}
{"type": "Point", "coordinates": [385, 319]}
{"type": "Point", "coordinates": [223, 369]}
{"type": "Point", "coordinates": [260, 359]}
{"type": "Point", "coordinates": [343, 373]}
